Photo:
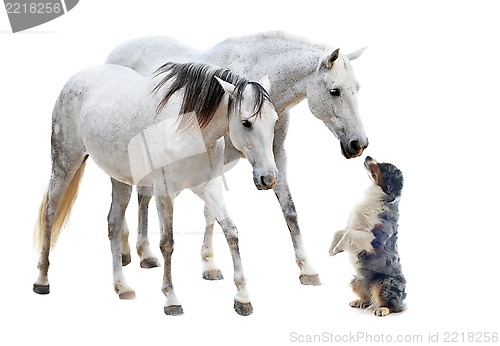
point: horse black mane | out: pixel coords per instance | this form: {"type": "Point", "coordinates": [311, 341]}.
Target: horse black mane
{"type": "Point", "coordinates": [202, 92]}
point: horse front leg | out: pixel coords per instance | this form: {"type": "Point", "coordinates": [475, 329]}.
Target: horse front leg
{"type": "Point", "coordinates": [165, 208]}
{"type": "Point", "coordinates": [308, 276]}
{"type": "Point", "coordinates": [209, 268]}
{"type": "Point", "coordinates": [116, 222]}
{"type": "Point", "coordinates": [214, 200]}
{"type": "Point", "coordinates": [148, 260]}
{"type": "Point", "coordinates": [210, 271]}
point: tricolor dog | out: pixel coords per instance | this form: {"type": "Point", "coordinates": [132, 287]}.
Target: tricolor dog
{"type": "Point", "coordinates": [371, 237]}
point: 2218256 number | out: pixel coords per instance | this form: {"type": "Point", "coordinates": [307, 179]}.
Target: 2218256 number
{"type": "Point", "coordinates": [33, 7]}
{"type": "Point", "coordinates": [471, 337]}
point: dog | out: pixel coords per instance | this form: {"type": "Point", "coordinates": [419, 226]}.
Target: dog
{"type": "Point", "coordinates": [370, 237]}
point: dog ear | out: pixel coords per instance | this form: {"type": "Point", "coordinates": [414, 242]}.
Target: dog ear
{"type": "Point", "coordinates": [394, 187]}
{"type": "Point", "coordinates": [393, 182]}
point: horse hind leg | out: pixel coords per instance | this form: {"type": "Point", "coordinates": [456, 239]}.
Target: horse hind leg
{"type": "Point", "coordinates": [67, 171]}
{"type": "Point", "coordinates": [124, 245]}
{"type": "Point", "coordinates": [210, 269]}
{"type": "Point", "coordinates": [68, 155]}
{"type": "Point", "coordinates": [120, 198]}
{"type": "Point", "coordinates": [147, 259]}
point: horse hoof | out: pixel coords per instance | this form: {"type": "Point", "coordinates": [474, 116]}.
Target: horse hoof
{"type": "Point", "coordinates": [243, 309]}
{"type": "Point", "coordinates": [41, 289]}
{"type": "Point", "coordinates": [310, 279]}
{"type": "Point", "coordinates": [149, 263]}
{"type": "Point", "coordinates": [173, 310]}
{"type": "Point", "coordinates": [127, 295]}
{"type": "Point", "coordinates": [126, 259]}
{"type": "Point", "coordinates": [213, 274]}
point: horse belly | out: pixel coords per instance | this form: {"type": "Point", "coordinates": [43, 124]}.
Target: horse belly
{"type": "Point", "coordinates": [136, 157]}
{"type": "Point", "coordinates": [110, 155]}
{"type": "Point", "coordinates": [108, 141]}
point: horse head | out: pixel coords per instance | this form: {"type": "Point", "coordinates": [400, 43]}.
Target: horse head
{"type": "Point", "coordinates": [252, 117]}
{"type": "Point", "coordinates": [332, 98]}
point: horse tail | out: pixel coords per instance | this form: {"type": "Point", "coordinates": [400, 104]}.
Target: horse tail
{"type": "Point", "coordinates": [62, 216]}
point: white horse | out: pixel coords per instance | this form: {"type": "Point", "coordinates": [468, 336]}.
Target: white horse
{"type": "Point", "coordinates": [164, 131]}
{"type": "Point", "coordinates": [298, 69]}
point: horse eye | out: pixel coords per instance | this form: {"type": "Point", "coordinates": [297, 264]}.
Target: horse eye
{"type": "Point", "coordinates": [335, 92]}
{"type": "Point", "coordinates": [246, 123]}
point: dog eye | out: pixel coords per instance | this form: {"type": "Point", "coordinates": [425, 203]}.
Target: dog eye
{"type": "Point", "coordinates": [246, 124]}
{"type": "Point", "coordinates": [335, 92]}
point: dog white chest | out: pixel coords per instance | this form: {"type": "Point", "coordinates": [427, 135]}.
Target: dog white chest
{"type": "Point", "coordinates": [366, 214]}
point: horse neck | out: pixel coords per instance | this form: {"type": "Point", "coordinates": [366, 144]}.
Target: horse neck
{"type": "Point", "coordinates": [291, 73]}
{"type": "Point", "coordinates": [290, 63]}
{"type": "Point", "coordinates": [218, 126]}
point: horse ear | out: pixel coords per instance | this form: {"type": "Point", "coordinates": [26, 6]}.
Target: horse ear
{"type": "Point", "coordinates": [266, 83]}
{"type": "Point", "coordinates": [228, 87]}
{"type": "Point", "coordinates": [332, 58]}
{"type": "Point", "coordinates": [356, 54]}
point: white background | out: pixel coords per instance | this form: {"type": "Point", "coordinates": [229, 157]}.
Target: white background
{"type": "Point", "coordinates": [429, 102]}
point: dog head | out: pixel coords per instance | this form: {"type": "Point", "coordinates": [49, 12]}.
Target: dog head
{"type": "Point", "coordinates": [387, 176]}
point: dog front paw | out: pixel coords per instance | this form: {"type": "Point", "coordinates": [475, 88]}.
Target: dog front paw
{"type": "Point", "coordinates": [383, 311]}
{"type": "Point", "coordinates": [335, 251]}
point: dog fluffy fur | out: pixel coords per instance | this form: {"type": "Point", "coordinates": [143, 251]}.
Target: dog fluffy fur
{"type": "Point", "coordinates": [371, 237]}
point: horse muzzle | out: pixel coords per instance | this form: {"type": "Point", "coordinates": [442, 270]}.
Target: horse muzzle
{"type": "Point", "coordinates": [264, 182]}
{"type": "Point", "coordinates": [353, 148]}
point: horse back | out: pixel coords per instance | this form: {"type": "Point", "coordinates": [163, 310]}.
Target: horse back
{"type": "Point", "coordinates": [146, 54]}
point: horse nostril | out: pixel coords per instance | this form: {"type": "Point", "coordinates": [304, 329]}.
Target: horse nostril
{"type": "Point", "coordinates": [355, 146]}
{"type": "Point", "coordinates": [263, 180]}
{"type": "Point", "coordinates": [267, 180]}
